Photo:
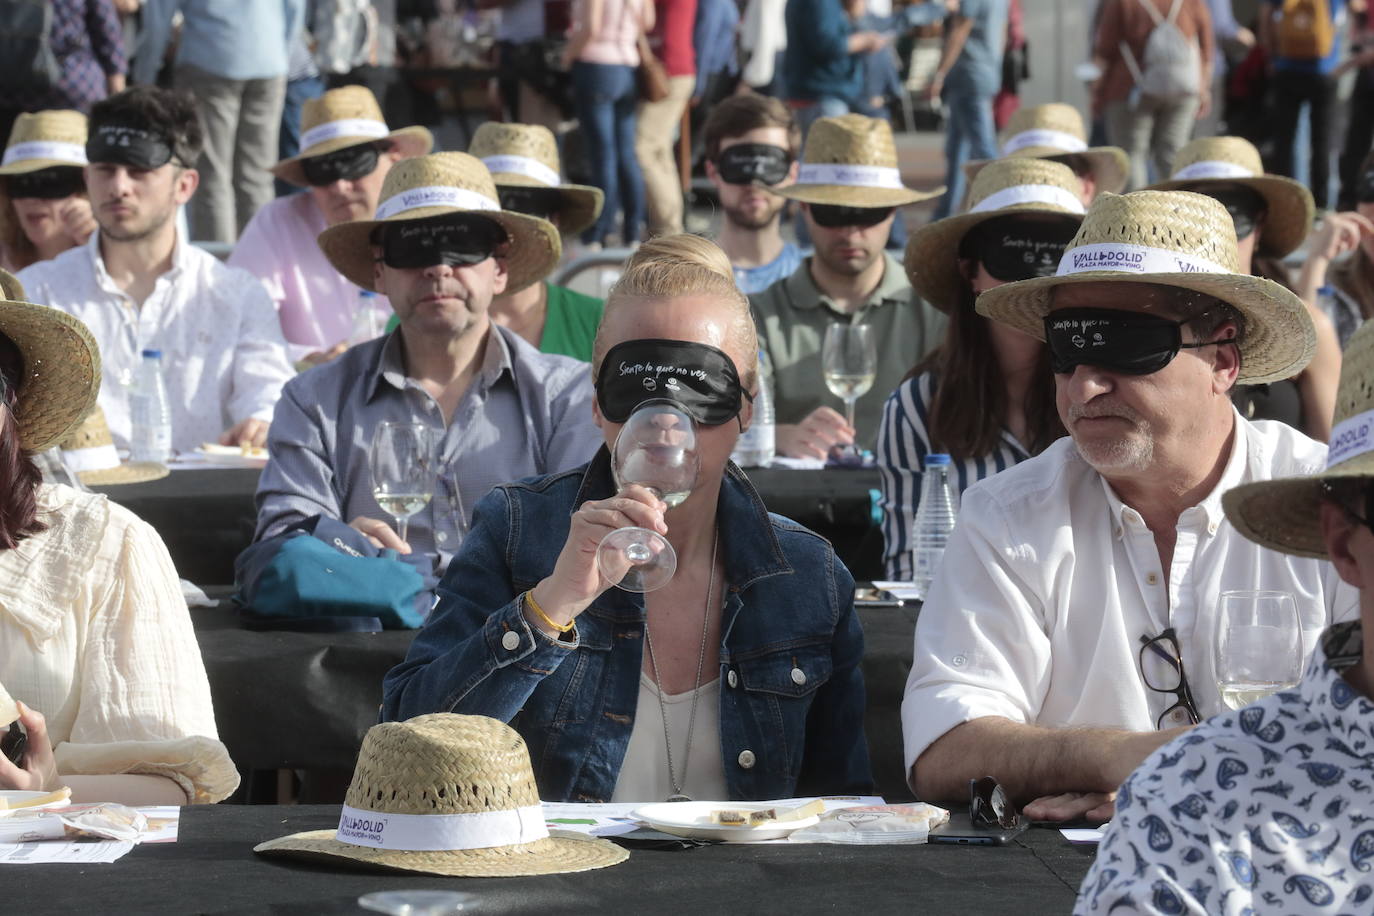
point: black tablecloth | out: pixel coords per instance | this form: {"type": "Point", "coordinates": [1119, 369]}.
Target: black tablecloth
{"type": "Point", "coordinates": [212, 869]}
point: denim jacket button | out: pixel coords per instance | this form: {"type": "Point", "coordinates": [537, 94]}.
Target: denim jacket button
{"type": "Point", "coordinates": [798, 676]}
{"type": "Point", "coordinates": [511, 641]}
{"type": "Point", "coordinates": [746, 759]}
{"type": "Point", "coordinates": [732, 678]}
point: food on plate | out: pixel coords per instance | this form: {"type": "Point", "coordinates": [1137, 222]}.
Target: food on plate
{"type": "Point", "coordinates": [730, 818]}
{"type": "Point", "coordinates": [60, 795]}
{"type": "Point", "coordinates": [238, 451]}
{"type": "Point", "coordinates": [758, 817]}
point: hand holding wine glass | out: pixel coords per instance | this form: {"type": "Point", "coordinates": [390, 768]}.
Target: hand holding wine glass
{"type": "Point", "coordinates": [849, 359]}
{"type": "Point", "coordinates": [403, 469]}
{"type": "Point", "coordinates": [1259, 646]}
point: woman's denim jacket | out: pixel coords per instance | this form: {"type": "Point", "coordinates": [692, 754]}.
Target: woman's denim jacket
{"type": "Point", "coordinates": [792, 693]}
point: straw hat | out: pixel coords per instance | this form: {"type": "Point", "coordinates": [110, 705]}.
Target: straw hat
{"type": "Point", "coordinates": [90, 452]}
{"type": "Point", "coordinates": [434, 185]}
{"type": "Point", "coordinates": [1285, 514]}
{"type": "Point", "coordinates": [61, 367]}
{"type": "Point", "coordinates": [1213, 161]}
{"type": "Point", "coordinates": [445, 794]}
{"type": "Point", "coordinates": [1056, 130]}
{"type": "Point", "coordinates": [526, 156]}
{"type": "Point", "coordinates": [345, 117]}
{"type": "Point", "coordinates": [851, 161]}
{"type": "Point", "coordinates": [1170, 238]}
{"type": "Point", "coordinates": [1030, 186]}
{"type": "Point", "coordinates": [44, 139]}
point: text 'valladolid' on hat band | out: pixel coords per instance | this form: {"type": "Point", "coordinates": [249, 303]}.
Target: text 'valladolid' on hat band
{"type": "Point", "coordinates": [1043, 136]}
{"type": "Point", "coordinates": [74, 153]}
{"type": "Point", "coordinates": [1133, 259]}
{"type": "Point", "coordinates": [1029, 194]}
{"type": "Point", "coordinates": [1212, 169]}
{"type": "Point", "coordinates": [441, 832]}
{"type": "Point", "coordinates": [523, 165]}
{"type": "Point", "coordinates": [347, 127]}
{"type": "Point", "coordinates": [1350, 438]}
{"type": "Point", "coordinates": [435, 196]}
{"type": "Point", "coordinates": [856, 176]}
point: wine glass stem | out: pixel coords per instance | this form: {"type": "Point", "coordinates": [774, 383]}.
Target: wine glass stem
{"type": "Point", "coordinates": [849, 411]}
{"type": "Point", "coordinates": [402, 523]}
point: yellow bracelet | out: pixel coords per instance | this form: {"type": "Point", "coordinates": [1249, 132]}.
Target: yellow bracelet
{"type": "Point", "coordinates": [534, 606]}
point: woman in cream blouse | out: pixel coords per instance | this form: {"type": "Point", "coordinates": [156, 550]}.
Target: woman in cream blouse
{"type": "Point", "coordinates": [96, 645]}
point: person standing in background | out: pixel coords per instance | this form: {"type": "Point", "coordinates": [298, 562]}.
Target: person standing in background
{"type": "Point", "coordinates": [1359, 133]}
{"type": "Point", "coordinates": [822, 66]}
{"type": "Point", "coordinates": [302, 84]}
{"type": "Point", "coordinates": [233, 57]}
{"type": "Point", "coordinates": [657, 128]}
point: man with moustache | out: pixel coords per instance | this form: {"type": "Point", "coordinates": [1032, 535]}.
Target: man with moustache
{"type": "Point", "coordinates": [137, 285]}
{"type": "Point", "coordinates": [751, 148]}
{"type": "Point", "coordinates": [1069, 631]}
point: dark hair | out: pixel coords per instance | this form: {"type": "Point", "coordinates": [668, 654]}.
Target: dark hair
{"type": "Point", "coordinates": [740, 114]}
{"type": "Point", "coordinates": [169, 112]}
{"type": "Point", "coordinates": [19, 475]}
{"type": "Point", "coordinates": [969, 410]}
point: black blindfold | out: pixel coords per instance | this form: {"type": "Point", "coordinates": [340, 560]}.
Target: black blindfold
{"type": "Point", "coordinates": [1130, 343]}
{"type": "Point", "coordinates": [347, 164]}
{"type": "Point", "coordinates": [751, 163]}
{"type": "Point", "coordinates": [132, 146]}
{"type": "Point", "coordinates": [830, 216]}
{"type": "Point", "coordinates": [457, 241]}
{"type": "Point", "coordinates": [1014, 248]}
{"type": "Point", "coordinates": [540, 202]}
{"type": "Point", "coordinates": [56, 183]}
{"type": "Point", "coordinates": [698, 377]}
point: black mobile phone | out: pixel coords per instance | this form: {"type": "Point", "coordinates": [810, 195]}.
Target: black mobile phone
{"type": "Point", "coordinates": [867, 596]}
{"type": "Point", "coordinates": [960, 829]}
{"type": "Point", "coordinates": [15, 742]}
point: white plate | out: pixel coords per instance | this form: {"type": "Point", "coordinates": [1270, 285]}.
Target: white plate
{"type": "Point", "coordinates": [15, 797]}
{"type": "Point", "coordinates": [693, 820]}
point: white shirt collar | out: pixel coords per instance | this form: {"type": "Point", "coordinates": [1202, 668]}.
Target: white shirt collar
{"type": "Point", "coordinates": [180, 260]}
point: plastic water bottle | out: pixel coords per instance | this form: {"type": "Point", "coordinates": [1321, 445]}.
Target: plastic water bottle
{"type": "Point", "coordinates": [150, 412]}
{"type": "Point", "coordinates": [367, 320]}
{"type": "Point", "coordinates": [757, 445]}
{"type": "Point", "coordinates": [934, 521]}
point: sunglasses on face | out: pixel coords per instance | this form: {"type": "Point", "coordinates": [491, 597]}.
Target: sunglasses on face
{"type": "Point", "coordinates": [541, 202]}
{"type": "Point", "coordinates": [458, 241]}
{"type": "Point", "coordinates": [830, 216]}
{"type": "Point", "coordinates": [747, 163]}
{"type": "Point", "coordinates": [54, 183]}
{"type": "Point", "coordinates": [1129, 343]}
{"type": "Point", "coordinates": [348, 164]}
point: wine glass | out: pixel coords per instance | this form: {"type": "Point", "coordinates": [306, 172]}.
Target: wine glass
{"type": "Point", "coordinates": [402, 460]}
{"type": "Point", "coordinates": [416, 902]}
{"type": "Point", "coordinates": [657, 449]}
{"type": "Point", "coordinates": [1258, 646]}
{"type": "Point", "coordinates": [849, 359]}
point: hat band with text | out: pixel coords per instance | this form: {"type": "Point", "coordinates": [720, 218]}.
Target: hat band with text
{"type": "Point", "coordinates": [523, 165]}
{"type": "Point", "coordinates": [435, 196]}
{"type": "Point", "coordinates": [1212, 168]}
{"type": "Point", "coordinates": [441, 832]}
{"type": "Point", "coordinates": [95, 458]}
{"type": "Point", "coordinates": [1029, 194]}
{"type": "Point", "coordinates": [1352, 437]}
{"type": "Point", "coordinates": [74, 153]}
{"type": "Point", "coordinates": [365, 128]}
{"type": "Point", "coordinates": [1132, 259]}
{"type": "Point", "coordinates": [1043, 136]}
{"type": "Point", "coordinates": [853, 176]}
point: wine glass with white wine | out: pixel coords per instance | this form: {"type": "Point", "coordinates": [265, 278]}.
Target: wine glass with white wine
{"type": "Point", "coordinates": [1259, 646]}
{"type": "Point", "coordinates": [849, 359]}
{"type": "Point", "coordinates": [403, 470]}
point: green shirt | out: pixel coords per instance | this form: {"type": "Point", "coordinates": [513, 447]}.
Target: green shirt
{"type": "Point", "coordinates": [792, 316]}
{"type": "Point", "coordinates": [570, 323]}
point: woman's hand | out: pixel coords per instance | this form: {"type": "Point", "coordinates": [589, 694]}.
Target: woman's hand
{"type": "Point", "coordinates": [1339, 233]}
{"type": "Point", "coordinates": [77, 220]}
{"type": "Point", "coordinates": [39, 770]}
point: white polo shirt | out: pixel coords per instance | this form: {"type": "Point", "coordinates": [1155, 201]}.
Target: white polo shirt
{"type": "Point", "coordinates": [1049, 581]}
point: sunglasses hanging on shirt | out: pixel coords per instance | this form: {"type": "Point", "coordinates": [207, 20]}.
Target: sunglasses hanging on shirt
{"type": "Point", "coordinates": [348, 164]}
{"type": "Point", "coordinates": [1014, 248]}
{"type": "Point", "coordinates": [830, 216]}
{"type": "Point", "coordinates": [540, 202]}
{"type": "Point", "coordinates": [1130, 343]}
{"type": "Point", "coordinates": [458, 241]}
{"type": "Point", "coordinates": [750, 163]}
{"type": "Point", "coordinates": [698, 377]}
{"type": "Point", "coordinates": [56, 183]}
{"type": "Point", "coordinates": [132, 146]}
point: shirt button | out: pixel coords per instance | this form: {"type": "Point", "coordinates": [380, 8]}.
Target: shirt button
{"type": "Point", "coordinates": [798, 676]}
{"type": "Point", "coordinates": [441, 536]}
{"type": "Point", "coordinates": [1212, 528]}
{"type": "Point", "coordinates": [732, 678]}
{"type": "Point", "coordinates": [958, 661]}
{"type": "Point", "coordinates": [746, 759]}
{"type": "Point", "coordinates": [511, 641]}
{"type": "Point", "coordinates": [1152, 578]}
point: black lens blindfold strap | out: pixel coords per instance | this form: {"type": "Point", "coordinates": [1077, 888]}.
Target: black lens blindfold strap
{"type": "Point", "coordinates": [132, 146]}
{"type": "Point", "coordinates": [699, 377]}
{"type": "Point", "coordinates": [1018, 249]}
{"type": "Point", "coordinates": [456, 241]}
{"type": "Point", "coordinates": [1130, 343]}
{"type": "Point", "coordinates": [53, 183]}
{"type": "Point", "coordinates": [746, 163]}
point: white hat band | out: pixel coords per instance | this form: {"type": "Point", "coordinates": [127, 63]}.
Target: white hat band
{"type": "Point", "coordinates": [1029, 194]}
{"type": "Point", "coordinates": [95, 458]}
{"type": "Point", "coordinates": [435, 196]}
{"type": "Point", "coordinates": [365, 128]}
{"type": "Point", "coordinates": [1351, 438]}
{"type": "Point", "coordinates": [74, 153]}
{"type": "Point", "coordinates": [1132, 259]}
{"type": "Point", "coordinates": [1212, 168]}
{"type": "Point", "coordinates": [441, 832]}
{"type": "Point", "coordinates": [523, 165]}
{"type": "Point", "coordinates": [1043, 136]}
{"type": "Point", "coordinates": [854, 176]}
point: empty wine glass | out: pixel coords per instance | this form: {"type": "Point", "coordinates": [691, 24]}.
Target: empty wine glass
{"type": "Point", "coordinates": [1258, 646]}
{"type": "Point", "coordinates": [403, 471]}
{"type": "Point", "coordinates": [656, 449]}
{"type": "Point", "coordinates": [849, 359]}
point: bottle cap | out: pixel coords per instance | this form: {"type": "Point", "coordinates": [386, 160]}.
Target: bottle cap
{"type": "Point", "coordinates": [936, 459]}
{"type": "Point", "coordinates": [156, 353]}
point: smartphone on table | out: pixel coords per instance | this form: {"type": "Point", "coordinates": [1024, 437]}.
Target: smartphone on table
{"type": "Point", "coordinates": [961, 829]}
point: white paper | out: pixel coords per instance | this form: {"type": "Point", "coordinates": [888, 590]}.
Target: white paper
{"type": "Point", "coordinates": [163, 823]}
{"type": "Point", "coordinates": [1084, 835]}
{"type": "Point", "coordinates": [591, 819]}
{"type": "Point", "coordinates": [85, 852]}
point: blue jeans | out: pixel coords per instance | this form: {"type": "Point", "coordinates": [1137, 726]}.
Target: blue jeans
{"type": "Point", "coordinates": [606, 97]}
{"type": "Point", "coordinates": [289, 135]}
{"type": "Point", "coordinates": [969, 134]}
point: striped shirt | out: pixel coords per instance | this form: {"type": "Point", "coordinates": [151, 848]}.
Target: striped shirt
{"type": "Point", "coordinates": [903, 443]}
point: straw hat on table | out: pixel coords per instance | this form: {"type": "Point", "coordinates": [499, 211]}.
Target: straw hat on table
{"type": "Point", "coordinates": [61, 367]}
{"type": "Point", "coordinates": [445, 794]}
{"type": "Point", "coordinates": [526, 156]}
{"type": "Point", "coordinates": [851, 161]}
{"type": "Point", "coordinates": [90, 453]}
{"type": "Point", "coordinates": [1004, 188]}
{"type": "Point", "coordinates": [345, 117]}
{"type": "Point", "coordinates": [1055, 131]}
{"type": "Point", "coordinates": [44, 140]}
{"type": "Point", "coordinates": [1285, 514]}
{"type": "Point", "coordinates": [437, 185]}
{"type": "Point", "coordinates": [1210, 162]}
{"type": "Point", "coordinates": [1178, 239]}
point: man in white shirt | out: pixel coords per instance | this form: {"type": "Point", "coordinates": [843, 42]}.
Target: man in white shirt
{"type": "Point", "coordinates": [1069, 630]}
{"type": "Point", "coordinates": [138, 286]}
